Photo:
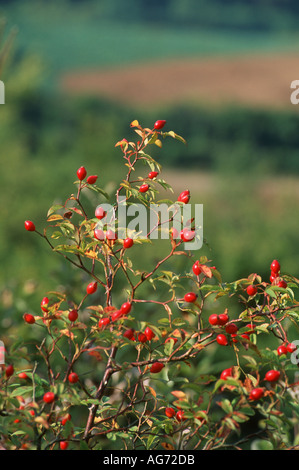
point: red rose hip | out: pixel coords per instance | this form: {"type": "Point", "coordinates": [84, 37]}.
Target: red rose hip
{"type": "Point", "coordinates": [159, 124]}
{"type": "Point", "coordinates": [128, 242]}
{"type": "Point", "coordinates": [152, 175]}
{"type": "Point", "coordinates": [73, 378]}
{"type": "Point", "coordinates": [213, 319]}
{"type": "Point", "coordinates": [9, 370]}
{"type": "Point", "coordinates": [251, 290]}
{"type": "Point", "coordinates": [73, 315]}
{"type": "Point", "coordinates": [156, 367]}
{"type": "Point", "coordinates": [190, 297]}
{"type": "Point", "coordinates": [222, 340]}
{"type": "Point", "coordinates": [272, 375]}
{"type": "Point", "coordinates": [91, 288]}
{"type": "Point", "coordinates": [29, 226]}
{"type": "Point", "coordinates": [49, 397]}
{"type": "Point", "coordinates": [81, 173]}
{"type": "Point", "coordinates": [29, 318]}
{"type": "Point", "coordinates": [149, 333]}
{"type": "Point", "coordinates": [92, 179]}
{"type": "Point", "coordinates": [275, 266]}
{"type": "Point", "coordinates": [256, 394]}
{"type": "Point", "coordinates": [170, 412]}
{"type": "Point", "coordinates": [144, 188]}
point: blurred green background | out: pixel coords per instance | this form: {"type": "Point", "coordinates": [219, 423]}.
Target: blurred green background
{"type": "Point", "coordinates": [80, 71]}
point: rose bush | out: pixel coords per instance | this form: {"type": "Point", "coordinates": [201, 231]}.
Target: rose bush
{"type": "Point", "coordinates": [199, 364]}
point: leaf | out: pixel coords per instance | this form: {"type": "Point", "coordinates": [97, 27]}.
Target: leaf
{"type": "Point", "coordinates": [54, 217]}
{"type": "Point", "coordinates": [42, 421]}
{"type": "Point", "coordinates": [54, 208]}
{"type": "Point", "coordinates": [67, 333]}
{"type": "Point", "coordinates": [153, 392]}
{"type": "Point", "coordinates": [99, 190]}
{"type": "Point", "coordinates": [179, 394]}
{"type": "Point", "coordinates": [167, 446]}
{"type": "Point", "coordinates": [135, 123]}
{"type": "Point", "coordinates": [226, 406]}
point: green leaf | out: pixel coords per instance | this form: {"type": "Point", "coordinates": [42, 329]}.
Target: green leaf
{"type": "Point", "coordinates": [226, 406]}
{"type": "Point", "coordinates": [54, 208]}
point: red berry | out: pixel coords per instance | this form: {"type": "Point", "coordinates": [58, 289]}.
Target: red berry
{"type": "Point", "coordinates": [231, 328]}
{"type": "Point", "coordinates": [222, 319]}
{"type": "Point", "coordinates": [91, 288]}
{"type": "Point", "coordinates": [142, 338]}
{"type": "Point", "coordinates": [169, 411]}
{"type": "Point", "coordinates": [275, 266]}
{"type": "Point", "coordinates": [153, 174]}
{"type": "Point", "coordinates": [81, 173]}
{"type": "Point", "coordinates": [282, 283]}
{"type": "Point", "coordinates": [44, 304]}
{"type": "Point", "coordinates": [180, 415]}
{"type": "Point", "coordinates": [92, 179]}
{"type": "Point", "coordinates": [65, 419]}
{"type": "Point", "coordinates": [159, 124]}
{"type": "Point", "coordinates": [251, 290]}
{"type": "Point", "coordinates": [116, 315]}
{"type": "Point", "coordinates": [128, 242]}
{"type": "Point", "coordinates": [234, 338]}
{"type": "Point", "coordinates": [184, 197]}
{"type": "Point", "coordinates": [63, 445]}
{"type": "Point", "coordinates": [103, 322]}
{"type": "Point", "coordinates": [222, 340]}
{"type": "Point", "coordinates": [29, 226]}
{"type": "Point", "coordinates": [49, 397]}
{"type": "Point", "coordinates": [129, 334]}
{"type": "Point", "coordinates": [196, 268]}
{"type": "Point", "coordinates": [213, 319]}
{"type": "Point", "coordinates": [110, 235]}
{"type": "Point", "coordinates": [126, 308]}
{"type": "Point", "coordinates": [149, 333]}
{"type": "Point", "coordinates": [23, 375]}
{"type": "Point", "coordinates": [174, 233]}
{"type": "Point", "coordinates": [73, 315]}
{"type": "Point", "coordinates": [9, 370]}
{"type": "Point", "coordinates": [256, 394]}
{"type": "Point", "coordinates": [73, 377]}
{"type": "Point", "coordinates": [187, 235]}
{"type": "Point", "coordinates": [99, 234]}
{"type": "Point", "coordinates": [282, 350]}
{"type": "Point", "coordinates": [190, 297]}
{"type": "Point", "coordinates": [143, 188]}
{"type": "Point", "coordinates": [272, 375]}
{"type": "Point", "coordinates": [100, 213]}
{"type": "Point", "coordinates": [245, 336]}
{"type": "Point", "coordinates": [226, 373]}
{"type": "Point", "coordinates": [156, 367]}
{"type": "Point", "coordinates": [273, 277]}
{"type": "Point", "coordinates": [29, 318]}
{"type": "Point", "coordinates": [291, 347]}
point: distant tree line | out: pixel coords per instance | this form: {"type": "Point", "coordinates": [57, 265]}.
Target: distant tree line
{"type": "Point", "coordinates": [260, 15]}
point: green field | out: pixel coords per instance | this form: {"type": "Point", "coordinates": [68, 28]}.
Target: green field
{"type": "Point", "coordinates": [78, 37]}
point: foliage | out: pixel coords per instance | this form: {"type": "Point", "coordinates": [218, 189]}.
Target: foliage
{"type": "Point", "coordinates": [164, 390]}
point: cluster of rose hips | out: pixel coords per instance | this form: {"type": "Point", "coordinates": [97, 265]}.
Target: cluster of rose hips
{"type": "Point", "coordinates": [275, 279]}
{"type": "Point", "coordinates": [272, 376]}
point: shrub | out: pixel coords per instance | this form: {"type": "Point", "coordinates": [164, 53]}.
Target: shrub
{"type": "Point", "coordinates": [110, 366]}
